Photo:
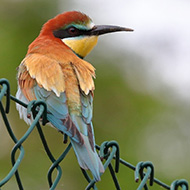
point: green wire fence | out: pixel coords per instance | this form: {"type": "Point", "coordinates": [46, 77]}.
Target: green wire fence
{"type": "Point", "coordinates": [144, 171]}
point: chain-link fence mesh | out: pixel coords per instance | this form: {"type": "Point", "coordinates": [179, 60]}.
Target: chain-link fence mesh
{"type": "Point", "coordinates": [144, 171]}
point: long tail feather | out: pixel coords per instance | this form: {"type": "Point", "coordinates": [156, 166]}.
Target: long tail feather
{"type": "Point", "coordinates": [87, 158]}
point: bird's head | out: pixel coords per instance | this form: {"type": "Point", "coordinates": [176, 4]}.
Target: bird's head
{"type": "Point", "coordinates": [77, 31]}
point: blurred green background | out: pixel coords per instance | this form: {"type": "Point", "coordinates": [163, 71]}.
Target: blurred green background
{"type": "Point", "coordinates": [147, 126]}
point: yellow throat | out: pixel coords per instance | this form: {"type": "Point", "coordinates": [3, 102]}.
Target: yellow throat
{"type": "Point", "coordinates": [82, 46]}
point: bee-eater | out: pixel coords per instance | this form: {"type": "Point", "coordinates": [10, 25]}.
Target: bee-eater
{"type": "Point", "coordinates": [53, 70]}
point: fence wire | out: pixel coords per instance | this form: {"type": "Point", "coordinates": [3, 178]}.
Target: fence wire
{"type": "Point", "coordinates": [144, 171]}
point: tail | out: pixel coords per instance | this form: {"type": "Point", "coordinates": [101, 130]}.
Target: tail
{"type": "Point", "coordinates": [88, 158]}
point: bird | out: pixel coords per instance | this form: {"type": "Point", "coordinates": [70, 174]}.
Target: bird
{"type": "Point", "coordinates": [54, 70]}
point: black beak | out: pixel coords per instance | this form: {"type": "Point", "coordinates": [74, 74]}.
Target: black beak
{"type": "Point", "coordinates": [104, 29]}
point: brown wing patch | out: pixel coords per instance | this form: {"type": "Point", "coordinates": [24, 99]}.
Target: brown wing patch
{"type": "Point", "coordinates": [46, 71]}
{"type": "Point", "coordinates": [85, 73]}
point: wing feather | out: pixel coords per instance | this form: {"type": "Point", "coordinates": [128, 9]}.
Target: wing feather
{"type": "Point", "coordinates": [46, 71]}
{"type": "Point", "coordinates": [37, 84]}
{"type": "Point", "coordinates": [85, 73]}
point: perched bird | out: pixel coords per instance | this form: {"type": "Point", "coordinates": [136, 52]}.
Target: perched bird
{"type": "Point", "coordinates": [53, 70]}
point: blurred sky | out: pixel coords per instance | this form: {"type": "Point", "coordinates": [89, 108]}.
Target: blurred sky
{"type": "Point", "coordinates": [162, 35]}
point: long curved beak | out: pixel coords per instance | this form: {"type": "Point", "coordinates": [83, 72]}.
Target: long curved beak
{"type": "Point", "coordinates": [104, 29]}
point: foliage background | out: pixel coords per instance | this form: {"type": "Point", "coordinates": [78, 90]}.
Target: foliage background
{"type": "Point", "coordinates": [132, 105]}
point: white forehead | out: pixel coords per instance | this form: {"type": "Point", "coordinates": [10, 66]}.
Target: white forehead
{"type": "Point", "coordinates": [90, 25]}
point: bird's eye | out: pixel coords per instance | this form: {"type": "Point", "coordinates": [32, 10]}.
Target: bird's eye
{"type": "Point", "coordinates": [73, 31]}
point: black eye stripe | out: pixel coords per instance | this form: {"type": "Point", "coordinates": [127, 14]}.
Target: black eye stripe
{"type": "Point", "coordinates": [69, 32]}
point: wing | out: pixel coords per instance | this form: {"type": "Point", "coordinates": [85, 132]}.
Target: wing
{"type": "Point", "coordinates": [40, 82]}
{"type": "Point", "coordinates": [85, 73]}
